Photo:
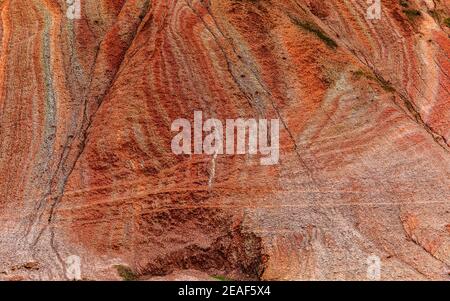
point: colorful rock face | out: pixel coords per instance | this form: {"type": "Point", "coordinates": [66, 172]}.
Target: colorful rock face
{"type": "Point", "coordinates": [87, 171]}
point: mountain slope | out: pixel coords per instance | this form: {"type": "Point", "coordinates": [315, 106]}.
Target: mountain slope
{"type": "Point", "coordinates": [86, 167]}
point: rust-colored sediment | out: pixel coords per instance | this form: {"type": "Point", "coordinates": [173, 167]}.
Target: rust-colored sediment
{"type": "Point", "coordinates": [85, 161]}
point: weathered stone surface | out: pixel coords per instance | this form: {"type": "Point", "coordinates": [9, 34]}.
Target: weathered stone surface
{"type": "Point", "coordinates": [86, 167]}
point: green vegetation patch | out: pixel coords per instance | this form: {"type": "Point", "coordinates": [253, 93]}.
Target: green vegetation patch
{"type": "Point", "coordinates": [221, 278]}
{"type": "Point", "coordinates": [404, 3]}
{"type": "Point", "coordinates": [447, 22]}
{"type": "Point", "coordinates": [385, 84]}
{"type": "Point", "coordinates": [412, 13]}
{"type": "Point", "coordinates": [126, 273]}
{"type": "Point", "coordinates": [312, 28]}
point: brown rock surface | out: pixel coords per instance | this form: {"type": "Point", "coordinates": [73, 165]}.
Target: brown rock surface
{"type": "Point", "coordinates": [86, 167]}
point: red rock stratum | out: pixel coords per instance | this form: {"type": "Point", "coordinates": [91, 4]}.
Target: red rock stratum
{"type": "Point", "coordinates": [86, 166]}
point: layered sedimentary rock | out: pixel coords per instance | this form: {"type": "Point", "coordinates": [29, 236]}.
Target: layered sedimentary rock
{"type": "Point", "coordinates": [86, 166]}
